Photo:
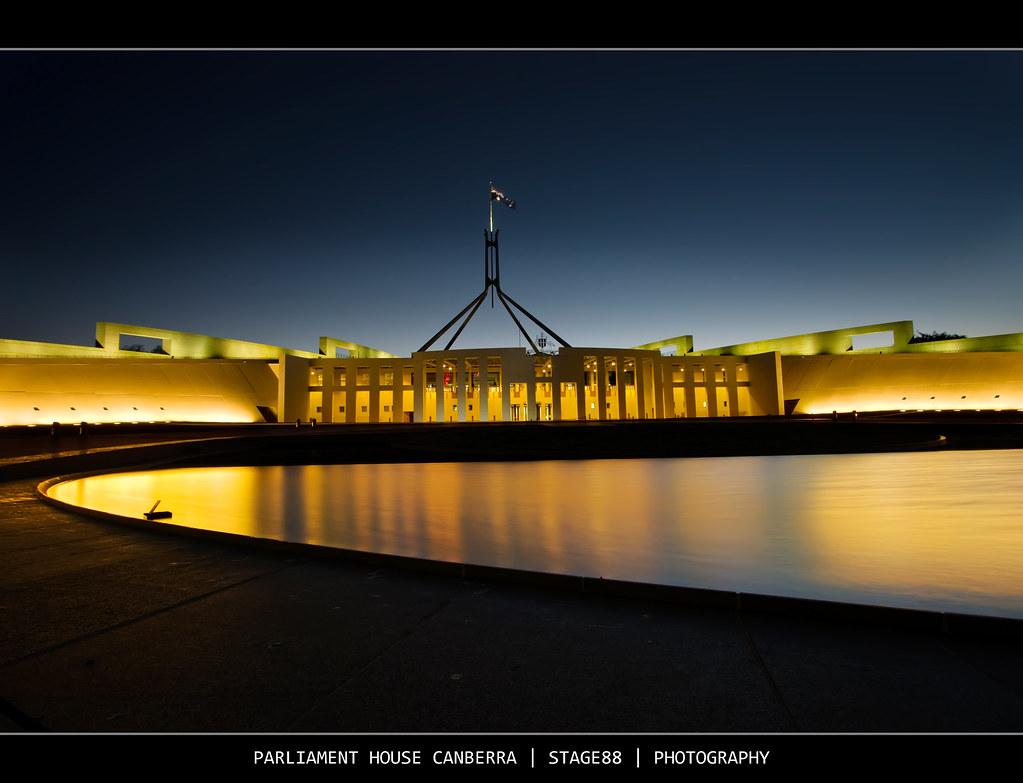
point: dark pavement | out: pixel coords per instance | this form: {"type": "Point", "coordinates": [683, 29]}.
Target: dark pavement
{"type": "Point", "coordinates": [113, 629]}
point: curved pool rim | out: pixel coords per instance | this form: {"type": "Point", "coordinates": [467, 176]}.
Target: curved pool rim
{"type": "Point", "coordinates": [739, 602]}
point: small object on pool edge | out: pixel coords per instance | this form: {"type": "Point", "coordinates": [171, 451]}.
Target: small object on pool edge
{"type": "Point", "coordinates": [154, 514]}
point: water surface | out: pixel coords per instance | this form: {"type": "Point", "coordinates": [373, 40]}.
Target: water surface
{"type": "Point", "coordinates": [940, 530]}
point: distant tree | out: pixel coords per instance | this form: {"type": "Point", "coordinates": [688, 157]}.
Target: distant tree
{"type": "Point", "coordinates": [141, 348]}
{"type": "Point", "coordinates": [930, 337]}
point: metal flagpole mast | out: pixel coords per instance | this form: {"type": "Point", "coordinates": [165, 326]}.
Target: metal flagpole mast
{"type": "Point", "coordinates": [488, 242]}
{"type": "Point", "coordinates": [492, 283]}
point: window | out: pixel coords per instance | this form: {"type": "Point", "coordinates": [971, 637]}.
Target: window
{"type": "Point", "coordinates": [340, 376]}
{"type": "Point", "coordinates": [387, 376]}
{"type": "Point", "coordinates": [873, 340]}
{"type": "Point", "coordinates": [362, 376]}
{"type": "Point", "coordinates": [316, 376]}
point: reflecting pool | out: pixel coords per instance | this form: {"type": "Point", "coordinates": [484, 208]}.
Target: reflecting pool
{"type": "Point", "coordinates": [933, 530]}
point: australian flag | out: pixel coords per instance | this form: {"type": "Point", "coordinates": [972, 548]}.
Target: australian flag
{"type": "Point", "coordinates": [497, 195]}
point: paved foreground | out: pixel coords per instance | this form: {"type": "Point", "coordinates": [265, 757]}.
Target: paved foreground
{"type": "Point", "coordinates": [110, 629]}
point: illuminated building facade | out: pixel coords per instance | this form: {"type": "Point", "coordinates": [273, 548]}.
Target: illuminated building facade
{"type": "Point", "coordinates": [188, 377]}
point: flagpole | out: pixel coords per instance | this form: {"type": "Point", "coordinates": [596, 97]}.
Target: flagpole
{"type": "Point", "coordinates": [492, 283]}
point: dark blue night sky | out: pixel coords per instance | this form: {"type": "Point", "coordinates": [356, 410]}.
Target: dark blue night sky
{"type": "Point", "coordinates": [277, 197]}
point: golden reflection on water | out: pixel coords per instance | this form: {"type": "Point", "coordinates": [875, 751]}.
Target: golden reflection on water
{"type": "Point", "coordinates": [933, 530]}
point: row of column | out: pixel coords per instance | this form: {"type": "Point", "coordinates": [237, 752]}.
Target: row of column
{"type": "Point", "coordinates": [654, 385]}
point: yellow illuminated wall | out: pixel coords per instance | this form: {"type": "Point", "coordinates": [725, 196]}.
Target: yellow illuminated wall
{"type": "Point", "coordinates": [188, 345]}
{"type": "Point", "coordinates": [813, 373]}
{"type": "Point", "coordinates": [41, 391]}
{"type": "Point", "coordinates": [910, 381]}
{"type": "Point", "coordinates": [836, 341]}
{"type": "Point", "coordinates": [329, 348]}
{"type": "Point", "coordinates": [28, 349]}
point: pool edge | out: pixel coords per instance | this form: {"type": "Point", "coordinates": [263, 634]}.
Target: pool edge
{"type": "Point", "coordinates": [949, 623]}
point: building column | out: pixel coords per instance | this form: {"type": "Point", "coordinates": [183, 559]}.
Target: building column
{"type": "Point", "coordinates": [327, 405]}
{"type": "Point", "coordinates": [666, 388]}
{"type": "Point", "coordinates": [557, 368]}
{"type": "Point", "coordinates": [505, 393]}
{"type": "Point", "coordinates": [657, 372]}
{"type": "Point", "coordinates": [531, 414]}
{"type": "Point", "coordinates": [418, 389]}
{"type": "Point", "coordinates": [351, 378]}
{"type": "Point", "coordinates": [440, 414]}
{"type": "Point", "coordinates": [460, 387]}
{"type": "Point", "coordinates": [690, 390]}
{"type": "Point", "coordinates": [483, 394]}
{"type": "Point", "coordinates": [641, 411]}
{"type": "Point", "coordinates": [620, 378]}
{"type": "Point", "coordinates": [579, 376]}
{"type": "Point", "coordinates": [374, 394]}
{"type": "Point", "coordinates": [602, 381]}
{"type": "Point", "coordinates": [398, 395]}
{"type": "Point", "coordinates": [733, 392]}
{"type": "Point", "coordinates": [712, 390]}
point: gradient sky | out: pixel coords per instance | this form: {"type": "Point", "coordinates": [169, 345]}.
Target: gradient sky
{"type": "Point", "coordinates": [277, 197]}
